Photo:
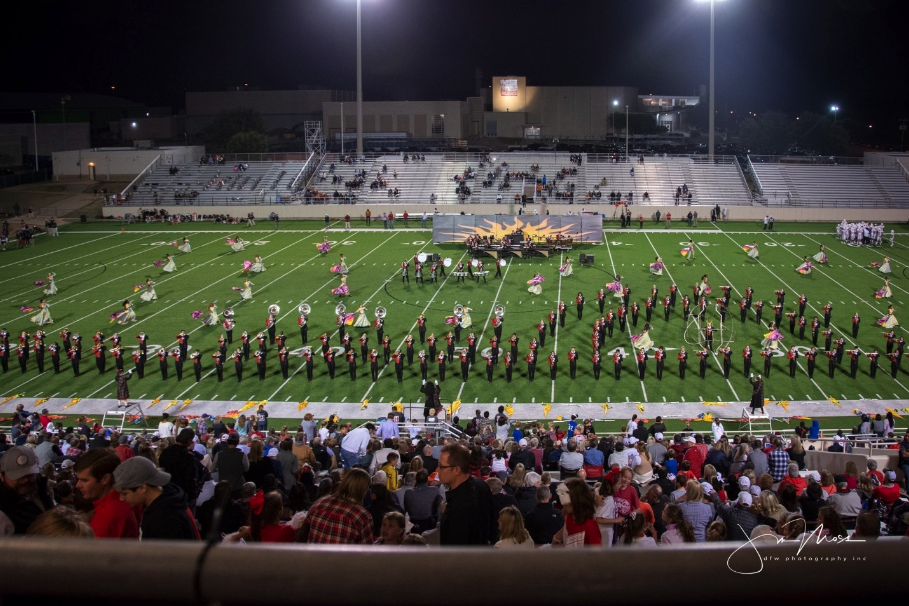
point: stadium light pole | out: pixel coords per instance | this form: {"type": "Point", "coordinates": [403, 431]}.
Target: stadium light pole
{"type": "Point", "coordinates": [711, 136]}
{"type": "Point", "coordinates": [35, 125]}
{"type": "Point", "coordinates": [834, 109]}
{"type": "Point", "coordinates": [359, 89]}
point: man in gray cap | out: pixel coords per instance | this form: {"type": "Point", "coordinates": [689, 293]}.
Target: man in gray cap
{"type": "Point", "coordinates": [23, 493]}
{"type": "Point", "coordinates": [166, 513]}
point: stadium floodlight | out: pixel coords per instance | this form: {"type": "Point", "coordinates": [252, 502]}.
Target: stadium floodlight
{"type": "Point", "coordinates": [834, 109]}
{"type": "Point", "coordinates": [712, 109]}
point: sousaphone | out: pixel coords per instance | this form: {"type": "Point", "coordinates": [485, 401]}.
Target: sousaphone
{"type": "Point", "coordinates": [274, 310]}
{"type": "Point", "coordinates": [304, 309]}
{"type": "Point", "coordinates": [499, 311]}
{"type": "Point", "coordinates": [340, 310]}
{"type": "Point", "coordinates": [380, 312]}
{"type": "Point", "coordinates": [459, 310]}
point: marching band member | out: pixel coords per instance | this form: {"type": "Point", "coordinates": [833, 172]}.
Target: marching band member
{"type": "Point", "coordinates": [885, 292]}
{"type": "Point", "coordinates": [185, 247]}
{"type": "Point", "coordinates": [50, 288]}
{"type": "Point", "coordinates": [885, 266]}
{"type": "Point", "coordinates": [149, 294]}
{"type": "Point", "coordinates": [229, 324]}
{"type": "Point", "coordinates": [342, 290]}
{"type": "Point", "coordinates": [246, 290]}
{"type": "Point", "coordinates": [656, 267]}
{"type": "Point", "coordinates": [324, 246]}
{"type": "Point", "coordinates": [459, 272]}
{"type": "Point", "coordinates": [805, 267]}
{"type": "Point", "coordinates": [169, 266]}
{"type": "Point", "coordinates": [643, 341]}
{"type": "Point", "coordinates": [362, 321]}
{"type": "Point", "coordinates": [751, 249]}
{"type": "Point", "coordinates": [257, 265]}
{"type": "Point", "coordinates": [211, 318]}
{"type": "Point", "coordinates": [566, 269]}
{"type": "Point", "coordinates": [418, 272]}
{"type": "Point", "coordinates": [127, 315]}
{"type": "Point", "coordinates": [405, 271]}
{"type": "Point", "coordinates": [43, 316]}
{"type": "Point", "coordinates": [341, 267]}
{"type": "Point", "coordinates": [821, 256]}
{"type": "Point", "coordinates": [888, 321]}
{"type": "Point", "coordinates": [237, 245]}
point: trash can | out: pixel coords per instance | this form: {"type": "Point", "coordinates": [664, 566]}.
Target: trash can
{"type": "Point", "coordinates": [83, 218]}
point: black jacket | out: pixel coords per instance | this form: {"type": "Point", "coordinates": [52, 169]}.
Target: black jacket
{"type": "Point", "coordinates": [168, 517]}
{"type": "Point", "coordinates": [22, 512]}
{"type": "Point", "coordinates": [524, 456]}
{"type": "Point", "coordinates": [181, 464]}
{"type": "Point", "coordinates": [470, 516]}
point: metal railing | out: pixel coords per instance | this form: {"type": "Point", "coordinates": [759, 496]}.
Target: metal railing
{"type": "Point", "coordinates": [198, 573]}
{"type": "Point", "coordinates": [144, 173]}
{"type": "Point", "coordinates": [25, 177]}
{"type": "Point", "coordinates": [813, 160]}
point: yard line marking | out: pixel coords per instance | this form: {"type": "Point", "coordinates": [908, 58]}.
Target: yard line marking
{"type": "Point", "coordinates": [32, 259]}
{"type": "Point", "coordinates": [867, 269]}
{"type": "Point", "coordinates": [712, 353]}
{"type": "Point", "coordinates": [628, 323]}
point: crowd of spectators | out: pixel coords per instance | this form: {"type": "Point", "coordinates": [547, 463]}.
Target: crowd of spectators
{"type": "Point", "coordinates": [331, 483]}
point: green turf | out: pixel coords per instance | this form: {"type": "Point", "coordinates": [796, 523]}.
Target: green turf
{"type": "Point", "coordinates": [97, 266]}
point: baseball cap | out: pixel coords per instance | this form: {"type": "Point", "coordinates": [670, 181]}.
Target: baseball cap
{"type": "Point", "coordinates": [658, 436]}
{"type": "Point", "coordinates": [708, 488]}
{"type": "Point", "coordinates": [124, 439]}
{"type": "Point", "coordinates": [137, 471]}
{"type": "Point", "coordinates": [755, 491]}
{"type": "Point", "coordinates": [562, 493]}
{"type": "Point", "coordinates": [744, 499]}
{"type": "Point", "coordinates": [523, 442]}
{"type": "Point", "coordinates": [19, 462]}
{"type": "Point", "coordinates": [66, 464]}
{"type": "Point", "coordinates": [890, 475]}
{"type": "Point", "coordinates": [186, 435]}
{"type": "Point", "coordinates": [744, 483]}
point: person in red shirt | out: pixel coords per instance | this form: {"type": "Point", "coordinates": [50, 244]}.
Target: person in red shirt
{"type": "Point", "coordinates": [123, 450]}
{"type": "Point", "coordinates": [888, 492]}
{"type": "Point", "coordinates": [265, 519]}
{"type": "Point", "coordinates": [579, 512]}
{"type": "Point", "coordinates": [113, 518]}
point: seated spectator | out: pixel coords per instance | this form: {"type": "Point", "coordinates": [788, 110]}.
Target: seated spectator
{"type": "Point", "coordinates": [23, 493]}
{"type": "Point", "coordinates": [827, 482]}
{"type": "Point", "coordinates": [794, 479]}
{"type": "Point", "coordinates": [888, 492]}
{"type": "Point", "coordinates": [61, 522]}
{"type": "Point", "coordinates": [340, 518]}
{"type": "Point", "coordinates": [716, 531]}
{"type": "Point", "coordinates": [571, 461]}
{"type": "Point", "coordinates": [579, 512]}
{"type": "Point", "coordinates": [637, 531]}
{"type": "Point", "coordinates": [543, 521]}
{"type": "Point", "coordinates": [265, 519]}
{"type": "Point", "coordinates": [392, 530]}
{"type": "Point", "coordinates": [165, 513]}
{"type": "Point", "coordinates": [739, 517]}
{"type": "Point", "coordinates": [847, 502]}
{"type": "Point", "coordinates": [768, 509]}
{"type": "Point", "coordinates": [512, 534]}
{"type": "Point", "coordinates": [830, 524]}
{"type": "Point", "coordinates": [696, 509]}
{"type": "Point", "coordinates": [811, 502]}
{"type": "Point", "coordinates": [867, 526]}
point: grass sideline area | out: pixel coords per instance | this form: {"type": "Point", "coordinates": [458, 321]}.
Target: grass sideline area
{"type": "Point", "coordinates": [97, 266]}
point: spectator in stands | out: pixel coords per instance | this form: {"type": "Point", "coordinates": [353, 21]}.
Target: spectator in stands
{"type": "Point", "coordinates": [867, 526]}
{"type": "Point", "coordinates": [23, 492]}
{"type": "Point", "coordinates": [888, 492]}
{"type": "Point", "coordinates": [696, 509]}
{"type": "Point", "coordinates": [165, 513]}
{"type": "Point", "coordinates": [340, 518]}
{"type": "Point", "coordinates": [543, 521]}
{"type": "Point", "coordinates": [512, 534]}
{"type": "Point", "coordinates": [112, 517]}
{"type": "Point", "coordinates": [469, 517]}
{"type": "Point", "coordinates": [738, 516]}
{"type": "Point", "coordinates": [778, 459]}
{"type": "Point", "coordinates": [758, 458]}
{"type": "Point", "coordinates": [846, 502]}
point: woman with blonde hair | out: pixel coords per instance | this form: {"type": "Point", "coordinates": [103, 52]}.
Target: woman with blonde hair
{"type": "Point", "coordinates": [827, 482]}
{"type": "Point", "coordinates": [241, 426]}
{"type": "Point", "coordinates": [796, 451]}
{"type": "Point", "coordinates": [768, 509]}
{"type": "Point", "coordinates": [852, 475]}
{"type": "Point", "coordinates": [416, 464]}
{"type": "Point", "coordinates": [512, 534]}
{"type": "Point", "coordinates": [643, 471]}
{"type": "Point", "coordinates": [61, 522]}
{"type": "Point", "coordinates": [709, 474]}
{"type": "Point", "coordinates": [516, 480]}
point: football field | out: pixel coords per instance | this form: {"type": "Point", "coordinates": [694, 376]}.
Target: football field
{"type": "Point", "coordinates": [97, 268]}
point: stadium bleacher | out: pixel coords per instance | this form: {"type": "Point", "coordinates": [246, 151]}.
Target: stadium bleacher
{"type": "Point", "coordinates": [832, 184]}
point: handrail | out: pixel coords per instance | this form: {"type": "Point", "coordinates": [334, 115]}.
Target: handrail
{"type": "Point", "coordinates": [902, 168]}
{"type": "Point", "coordinates": [144, 172]}
{"type": "Point", "coordinates": [754, 176]}
{"type": "Point", "coordinates": [302, 170]}
{"type": "Point", "coordinates": [197, 573]}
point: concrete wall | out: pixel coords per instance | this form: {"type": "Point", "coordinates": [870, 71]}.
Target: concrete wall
{"type": "Point", "coordinates": [412, 117]}
{"type": "Point", "coordinates": [121, 164]}
{"type": "Point", "coordinates": [736, 213]}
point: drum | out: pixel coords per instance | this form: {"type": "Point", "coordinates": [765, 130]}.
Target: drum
{"type": "Point", "coordinates": [447, 262]}
{"type": "Point", "coordinates": [422, 257]}
{"type": "Point", "coordinates": [474, 262]}
{"type": "Point", "coordinates": [502, 263]}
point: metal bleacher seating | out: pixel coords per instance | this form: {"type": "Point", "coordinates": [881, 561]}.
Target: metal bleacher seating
{"type": "Point", "coordinates": [832, 184]}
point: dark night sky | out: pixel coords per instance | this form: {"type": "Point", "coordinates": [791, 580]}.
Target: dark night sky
{"type": "Point", "coordinates": [791, 55]}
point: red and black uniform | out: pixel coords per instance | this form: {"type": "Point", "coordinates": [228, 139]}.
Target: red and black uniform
{"type": "Point", "coordinates": [873, 356]}
{"type": "Point", "coordinates": [686, 307]}
{"type": "Point", "coordinates": [424, 368]}
{"type": "Point", "coordinates": [703, 365]}
{"type": "Point", "coordinates": [617, 364]}
{"type": "Point", "coordinates": [758, 311]}
{"type": "Point", "coordinates": [364, 347]}
{"type": "Point", "coordinates": [489, 367]}
{"type": "Point", "coordinates": [308, 363]}
{"type": "Point", "coordinates": [666, 308]}
{"type": "Point", "coordinates": [562, 310]}
{"type": "Point", "coordinates": [572, 362]}
{"type": "Point", "coordinates": [792, 320]}
{"type": "Point", "coordinates": [541, 331]}
{"type": "Point", "coordinates": [660, 356]}
{"type": "Point", "coordinates": [856, 320]}
{"type": "Point", "coordinates": [673, 292]}
{"type": "Point", "coordinates": [793, 356]}
{"type": "Point", "coordinates": [610, 323]}
{"type": "Point", "coordinates": [812, 356]}
{"type": "Point", "coordinates": [352, 364]}
{"type": "Point", "coordinates": [494, 350]}
{"type": "Point", "coordinates": [621, 313]}
{"type": "Point", "coordinates": [421, 328]}
{"type": "Point", "coordinates": [553, 365]}
{"type": "Point", "coordinates": [374, 365]}
{"type": "Point", "coordinates": [746, 359]}
{"type": "Point", "coordinates": [551, 318]}
{"type": "Point", "coordinates": [635, 308]}
{"type": "Point", "coordinates": [831, 356]}
{"type": "Point", "coordinates": [117, 354]}
{"type": "Point", "coordinates": [471, 349]}
{"type": "Point", "coordinates": [727, 361]}
{"type": "Point", "coordinates": [828, 310]}
{"type": "Point", "coordinates": [767, 354]}
{"type": "Point", "coordinates": [100, 361]}
{"type": "Point", "coordinates": [803, 301]}
{"type": "Point", "coordinates": [579, 302]}
{"type": "Point", "coordinates": [601, 300]}
{"type": "Point", "coordinates": [895, 359]}
{"type": "Point", "coordinates": [743, 309]}
{"type": "Point", "coordinates": [178, 363]}
{"type": "Point", "coordinates": [465, 365]}
{"type": "Point", "coordinates": [648, 308]}
{"type": "Point", "coordinates": [642, 364]}
{"type": "Point", "coordinates": [196, 357]}
{"type": "Point", "coordinates": [802, 322]}
{"type": "Point", "coordinates": [815, 328]}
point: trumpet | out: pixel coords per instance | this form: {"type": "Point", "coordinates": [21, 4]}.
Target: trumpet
{"type": "Point", "coordinates": [340, 310]}
{"type": "Point", "coordinates": [499, 311]}
{"type": "Point", "coordinates": [304, 309]}
{"type": "Point", "coordinates": [274, 310]}
{"type": "Point", "coordinates": [380, 312]}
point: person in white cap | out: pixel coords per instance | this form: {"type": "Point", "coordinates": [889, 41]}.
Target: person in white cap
{"type": "Point", "coordinates": [23, 492]}
{"type": "Point", "coordinates": [737, 515]}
